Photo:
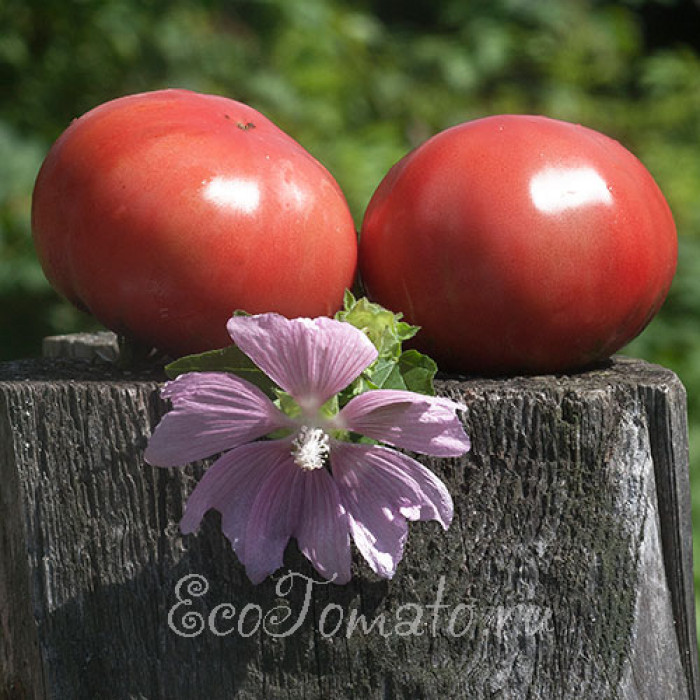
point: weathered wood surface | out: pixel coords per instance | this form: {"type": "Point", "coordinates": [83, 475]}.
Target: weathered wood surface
{"type": "Point", "coordinates": [83, 346]}
{"type": "Point", "coordinates": [567, 572]}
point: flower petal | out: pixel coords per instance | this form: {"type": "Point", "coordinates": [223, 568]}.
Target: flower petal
{"type": "Point", "coordinates": [425, 424]}
{"type": "Point", "coordinates": [380, 488]}
{"type": "Point", "coordinates": [264, 498]}
{"type": "Point", "coordinates": [323, 531]}
{"type": "Point", "coordinates": [231, 486]}
{"type": "Point", "coordinates": [212, 412]}
{"type": "Point", "coordinates": [274, 517]}
{"type": "Point", "coordinates": [311, 359]}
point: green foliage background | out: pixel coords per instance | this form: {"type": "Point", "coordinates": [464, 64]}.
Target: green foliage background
{"type": "Point", "coordinates": [359, 84]}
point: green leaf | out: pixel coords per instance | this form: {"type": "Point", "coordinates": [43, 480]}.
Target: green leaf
{"type": "Point", "coordinates": [394, 368]}
{"type": "Point", "coordinates": [383, 327]}
{"type": "Point", "coordinates": [287, 404]}
{"type": "Point", "coordinates": [382, 374]}
{"type": "Point", "coordinates": [411, 371]}
{"type": "Point", "coordinates": [391, 377]}
{"type": "Point", "coordinates": [418, 371]}
{"type": "Point", "coordinates": [230, 359]}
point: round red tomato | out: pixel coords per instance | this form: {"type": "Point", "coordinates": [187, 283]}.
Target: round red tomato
{"type": "Point", "coordinates": [161, 213]}
{"type": "Point", "coordinates": [519, 244]}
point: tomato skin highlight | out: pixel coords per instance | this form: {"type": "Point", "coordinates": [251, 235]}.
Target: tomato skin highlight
{"type": "Point", "coordinates": [161, 213]}
{"type": "Point", "coordinates": [519, 244]}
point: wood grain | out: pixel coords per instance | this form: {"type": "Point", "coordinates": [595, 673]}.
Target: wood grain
{"type": "Point", "coordinates": [567, 572]}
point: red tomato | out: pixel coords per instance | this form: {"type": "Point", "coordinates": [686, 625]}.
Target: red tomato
{"type": "Point", "coordinates": [161, 213]}
{"type": "Point", "coordinates": [519, 244]}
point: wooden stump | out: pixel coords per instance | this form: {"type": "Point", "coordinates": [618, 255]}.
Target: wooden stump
{"type": "Point", "coordinates": [567, 572]}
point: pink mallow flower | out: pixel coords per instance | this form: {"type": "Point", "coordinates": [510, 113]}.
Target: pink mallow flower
{"type": "Point", "coordinates": [310, 484]}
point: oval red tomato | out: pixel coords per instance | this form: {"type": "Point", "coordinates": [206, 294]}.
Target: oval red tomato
{"type": "Point", "coordinates": [519, 244]}
{"type": "Point", "coordinates": [161, 213]}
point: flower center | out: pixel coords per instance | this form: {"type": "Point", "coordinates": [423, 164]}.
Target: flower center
{"type": "Point", "coordinates": [311, 448]}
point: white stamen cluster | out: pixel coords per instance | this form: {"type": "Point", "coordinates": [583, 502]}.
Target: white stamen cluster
{"type": "Point", "coordinates": [311, 448]}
